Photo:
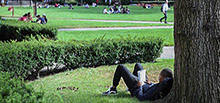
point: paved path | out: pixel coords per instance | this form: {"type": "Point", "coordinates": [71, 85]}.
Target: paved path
{"type": "Point", "coordinates": [120, 21]}
{"type": "Point", "coordinates": [168, 53]}
{"type": "Point", "coordinates": [114, 28]}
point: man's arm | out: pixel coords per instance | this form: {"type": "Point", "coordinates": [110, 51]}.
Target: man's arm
{"type": "Point", "coordinates": [154, 90]}
{"type": "Point", "coordinates": [149, 94]}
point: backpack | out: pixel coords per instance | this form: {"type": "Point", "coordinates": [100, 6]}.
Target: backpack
{"type": "Point", "coordinates": [161, 8]}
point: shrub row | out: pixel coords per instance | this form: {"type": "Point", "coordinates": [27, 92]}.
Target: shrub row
{"type": "Point", "coordinates": [14, 90]}
{"type": "Point", "coordinates": [19, 30]}
{"type": "Point", "coordinates": [28, 57]}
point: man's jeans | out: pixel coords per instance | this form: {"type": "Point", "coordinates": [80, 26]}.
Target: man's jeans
{"type": "Point", "coordinates": [129, 78]}
{"type": "Point", "coordinates": [165, 17]}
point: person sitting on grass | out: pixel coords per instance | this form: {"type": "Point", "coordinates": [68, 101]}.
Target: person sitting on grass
{"type": "Point", "coordinates": [127, 10]}
{"type": "Point", "coordinates": [45, 18]}
{"type": "Point", "coordinates": [122, 9]}
{"type": "Point", "coordinates": [24, 18]}
{"type": "Point", "coordinates": [40, 20]}
{"type": "Point", "coordinates": [71, 6]}
{"type": "Point", "coordinates": [111, 11]}
{"type": "Point", "coordinates": [10, 8]}
{"type": "Point", "coordinates": [146, 91]}
{"type": "Point", "coordinates": [87, 6]}
{"type": "Point", "coordinates": [105, 11]}
{"type": "Point", "coordinates": [56, 5]}
{"type": "Point", "coordinates": [29, 19]}
{"type": "Point", "coordinates": [46, 6]}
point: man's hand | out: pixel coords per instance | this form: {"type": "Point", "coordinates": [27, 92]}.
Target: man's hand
{"type": "Point", "coordinates": [163, 12]}
{"type": "Point", "coordinates": [148, 82]}
{"type": "Point", "coordinates": [139, 83]}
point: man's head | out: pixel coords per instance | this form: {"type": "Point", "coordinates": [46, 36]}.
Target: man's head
{"type": "Point", "coordinates": [44, 15]}
{"type": "Point", "coordinates": [25, 15]}
{"type": "Point", "coordinates": [166, 1]}
{"type": "Point", "coordinates": [164, 74]}
{"type": "Point", "coordinates": [38, 16]}
{"type": "Point", "coordinates": [29, 13]}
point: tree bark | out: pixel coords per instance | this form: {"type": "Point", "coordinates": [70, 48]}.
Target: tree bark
{"type": "Point", "coordinates": [197, 52]}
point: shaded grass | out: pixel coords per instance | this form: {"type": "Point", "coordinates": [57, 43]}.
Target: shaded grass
{"type": "Point", "coordinates": [166, 34]}
{"type": "Point", "coordinates": [91, 82]}
{"type": "Point", "coordinates": [137, 13]}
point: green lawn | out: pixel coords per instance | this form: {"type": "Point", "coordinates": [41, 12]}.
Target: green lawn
{"type": "Point", "coordinates": [166, 34]}
{"type": "Point", "coordinates": [137, 13]}
{"type": "Point", "coordinates": [94, 24]}
{"type": "Point", "coordinates": [91, 82]}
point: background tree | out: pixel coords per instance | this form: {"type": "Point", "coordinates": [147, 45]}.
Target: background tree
{"type": "Point", "coordinates": [197, 52]}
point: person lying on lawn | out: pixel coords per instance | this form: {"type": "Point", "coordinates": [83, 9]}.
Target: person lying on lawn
{"type": "Point", "coordinates": [146, 91]}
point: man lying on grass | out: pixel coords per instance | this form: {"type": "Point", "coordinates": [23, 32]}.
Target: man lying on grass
{"type": "Point", "coordinates": [143, 91]}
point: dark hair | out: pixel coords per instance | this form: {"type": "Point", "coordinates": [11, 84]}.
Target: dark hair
{"type": "Point", "coordinates": [25, 15]}
{"type": "Point", "coordinates": [29, 13]}
{"type": "Point", "coordinates": [38, 16]}
{"type": "Point", "coordinates": [167, 73]}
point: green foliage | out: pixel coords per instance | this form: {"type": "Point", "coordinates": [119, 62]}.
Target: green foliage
{"type": "Point", "coordinates": [13, 90]}
{"type": "Point", "coordinates": [89, 1]}
{"type": "Point", "coordinates": [125, 2]}
{"type": "Point", "coordinates": [28, 57]}
{"type": "Point", "coordinates": [18, 30]}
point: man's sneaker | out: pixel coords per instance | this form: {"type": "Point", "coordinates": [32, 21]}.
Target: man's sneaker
{"type": "Point", "coordinates": [160, 20]}
{"type": "Point", "coordinates": [111, 90]}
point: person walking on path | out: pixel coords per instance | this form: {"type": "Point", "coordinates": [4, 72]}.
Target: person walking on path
{"type": "Point", "coordinates": [164, 10]}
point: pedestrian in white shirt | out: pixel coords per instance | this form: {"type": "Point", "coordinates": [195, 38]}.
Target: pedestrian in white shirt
{"type": "Point", "coordinates": [164, 10]}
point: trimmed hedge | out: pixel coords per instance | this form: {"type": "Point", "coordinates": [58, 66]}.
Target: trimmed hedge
{"type": "Point", "coordinates": [14, 90]}
{"type": "Point", "coordinates": [19, 30]}
{"type": "Point", "coordinates": [29, 57]}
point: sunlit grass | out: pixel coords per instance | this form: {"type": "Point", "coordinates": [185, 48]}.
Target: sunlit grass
{"type": "Point", "coordinates": [166, 34]}
{"type": "Point", "coordinates": [96, 24]}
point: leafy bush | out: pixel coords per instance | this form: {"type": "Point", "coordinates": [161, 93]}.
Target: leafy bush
{"type": "Point", "coordinates": [19, 30]}
{"type": "Point", "coordinates": [28, 57]}
{"type": "Point", "coordinates": [13, 90]}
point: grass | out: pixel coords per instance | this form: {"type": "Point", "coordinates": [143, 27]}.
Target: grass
{"type": "Point", "coordinates": [94, 24]}
{"type": "Point", "coordinates": [137, 13]}
{"type": "Point", "coordinates": [166, 34]}
{"type": "Point", "coordinates": [91, 82]}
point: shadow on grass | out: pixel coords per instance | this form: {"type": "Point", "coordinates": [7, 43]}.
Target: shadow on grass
{"type": "Point", "coordinates": [120, 94]}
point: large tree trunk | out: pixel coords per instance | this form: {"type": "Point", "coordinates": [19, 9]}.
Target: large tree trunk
{"type": "Point", "coordinates": [197, 52]}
